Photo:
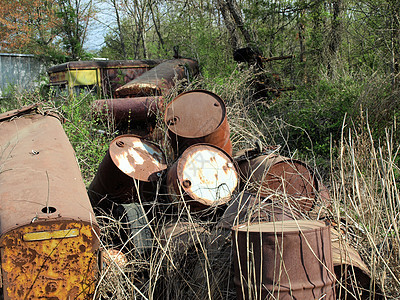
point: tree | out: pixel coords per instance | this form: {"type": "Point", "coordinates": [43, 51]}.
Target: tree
{"type": "Point", "coordinates": [75, 16]}
{"type": "Point", "coordinates": [28, 25]}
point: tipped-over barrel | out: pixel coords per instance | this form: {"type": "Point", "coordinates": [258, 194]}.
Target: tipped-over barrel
{"type": "Point", "coordinates": [160, 79]}
{"type": "Point", "coordinates": [204, 176]}
{"type": "Point", "coordinates": [198, 116]}
{"type": "Point", "coordinates": [271, 174]}
{"type": "Point", "coordinates": [129, 157]}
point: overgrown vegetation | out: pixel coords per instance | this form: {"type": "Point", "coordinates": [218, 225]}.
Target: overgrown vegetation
{"type": "Point", "coordinates": [341, 117]}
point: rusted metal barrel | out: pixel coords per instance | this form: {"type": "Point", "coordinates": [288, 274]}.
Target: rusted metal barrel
{"type": "Point", "coordinates": [351, 271]}
{"type": "Point", "coordinates": [269, 174]}
{"type": "Point", "coordinates": [283, 260]}
{"type": "Point", "coordinates": [198, 116]}
{"type": "Point", "coordinates": [160, 79]}
{"type": "Point", "coordinates": [250, 208]}
{"type": "Point", "coordinates": [204, 176]}
{"type": "Point", "coordinates": [129, 157]}
{"type": "Point", "coordinates": [48, 229]}
{"type": "Point", "coordinates": [125, 112]}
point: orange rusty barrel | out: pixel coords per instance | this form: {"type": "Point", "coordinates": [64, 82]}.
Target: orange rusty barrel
{"type": "Point", "coordinates": [160, 79]}
{"type": "Point", "coordinates": [204, 176]}
{"type": "Point", "coordinates": [127, 112]}
{"type": "Point", "coordinates": [129, 158]}
{"type": "Point", "coordinates": [246, 207]}
{"type": "Point", "coordinates": [198, 116]}
{"type": "Point", "coordinates": [48, 231]}
{"type": "Point", "coordinates": [283, 260]}
{"type": "Point", "coordinates": [271, 174]}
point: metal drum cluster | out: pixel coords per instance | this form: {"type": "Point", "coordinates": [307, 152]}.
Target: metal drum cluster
{"type": "Point", "coordinates": [270, 203]}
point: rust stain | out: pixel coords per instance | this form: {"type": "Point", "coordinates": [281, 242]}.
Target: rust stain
{"type": "Point", "coordinates": [53, 268]}
{"type": "Point", "coordinates": [200, 121]}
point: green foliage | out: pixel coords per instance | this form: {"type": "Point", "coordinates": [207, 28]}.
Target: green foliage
{"type": "Point", "coordinates": [88, 136]}
{"type": "Point", "coordinates": [316, 113]}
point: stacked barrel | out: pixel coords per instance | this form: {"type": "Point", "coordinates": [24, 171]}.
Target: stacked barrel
{"type": "Point", "coordinates": [282, 244]}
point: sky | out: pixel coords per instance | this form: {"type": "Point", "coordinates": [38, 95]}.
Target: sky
{"type": "Point", "coordinates": [98, 27]}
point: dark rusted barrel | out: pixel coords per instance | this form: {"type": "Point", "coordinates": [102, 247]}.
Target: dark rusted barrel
{"type": "Point", "coordinates": [125, 112]}
{"type": "Point", "coordinates": [160, 79]}
{"type": "Point", "coordinates": [246, 207]}
{"type": "Point", "coordinates": [204, 176]}
{"type": "Point", "coordinates": [198, 116]}
{"type": "Point", "coordinates": [129, 157]}
{"type": "Point", "coordinates": [270, 174]}
{"type": "Point", "coordinates": [283, 260]}
{"type": "Point", "coordinates": [48, 231]}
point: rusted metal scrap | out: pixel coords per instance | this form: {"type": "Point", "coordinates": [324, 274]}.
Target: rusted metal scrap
{"type": "Point", "coordinates": [270, 174]}
{"type": "Point", "coordinates": [283, 260]}
{"type": "Point", "coordinates": [351, 271]}
{"type": "Point", "coordinates": [129, 158]}
{"type": "Point", "coordinates": [198, 116]}
{"type": "Point", "coordinates": [48, 230]}
{"type": "Point", "coordinates": [128, 112]}
{"type": "Point", "coordinates": [159, 79]}
{"type": "Point", "coordinates": [204, 176]}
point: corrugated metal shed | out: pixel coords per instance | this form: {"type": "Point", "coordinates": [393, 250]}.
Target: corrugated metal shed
{"type": "Point", "coordinates": [21, 70]}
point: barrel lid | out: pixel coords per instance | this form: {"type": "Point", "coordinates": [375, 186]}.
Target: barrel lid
{"type": "Point", "coordinates": [195, 114]}
{"type": "Point", "coordinates": [207, 174]}
{"type": "Point", "coordinates": [137, 158]}
{"type": "Point", "coordinates": [287, 226]}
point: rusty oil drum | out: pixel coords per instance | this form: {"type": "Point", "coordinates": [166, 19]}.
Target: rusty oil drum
{"type": "Point", "coordinates": [129, 158]}
{"type": "Point", "coordinates": [198, 116]}
{"type": "Point", "coordinates": [283, 260]}
{"type": "Point", "coordinates": [159, 79]}
{"type": "Point", "coordinates": [125, 112]}
{"type": "Point", "coordinates": [274, 174]}
{"type": "Point", "coordinates": [204, 176]}
{"type": "Point", "coordinates": [49, 235]}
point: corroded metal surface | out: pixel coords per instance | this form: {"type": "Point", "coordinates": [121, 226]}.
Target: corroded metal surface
{"type": "Point", "coordinates": [283, 260]}
{"type": "Point", "coordinates": [110, 185]}
{"type": "Point", "coordinates": [246, 207]}
{"type": "Point", "coordinates": [128, 111]}
{"type": "Point", "coordinates": [159, 79]}
{"type": "Point", "coordinates": [137, 158]}
{"type": "Point", "coordinates": [61, 267]}
{"type": "Point", "coordinates": [269, 174]}
{"type": "Point", "coordinates": [17, 112]}
{"type": "Point", "coordinates": [47, 226]}
{"type": "Point", "coordinates": [129, 157]}
{"type": "Point", "coordinates": [351, 271]}
{"type": "Point", "coordinates": [204, 176]}
{"type": "Point", "coordinates": [118, 64]}
{"type": "Point", "coordinates": [198, 116]}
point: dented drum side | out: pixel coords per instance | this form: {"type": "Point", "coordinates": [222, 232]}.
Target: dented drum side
{"type": "Point", "coordinates": [285, 260]}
